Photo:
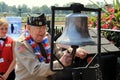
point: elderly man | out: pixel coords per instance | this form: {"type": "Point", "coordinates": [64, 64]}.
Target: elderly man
{"type": "Point", "coordinates": [33, 52]}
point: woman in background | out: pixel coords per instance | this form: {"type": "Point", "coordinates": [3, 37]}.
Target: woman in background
{"type": "Point", "coordinates": [7, 56]}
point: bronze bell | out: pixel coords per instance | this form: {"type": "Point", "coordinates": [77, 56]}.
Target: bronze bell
{"type": "Point", "coordinates": [76, 30]}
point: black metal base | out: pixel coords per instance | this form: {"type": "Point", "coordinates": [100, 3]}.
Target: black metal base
{"type": "Point", "coordinates": [108, 69]}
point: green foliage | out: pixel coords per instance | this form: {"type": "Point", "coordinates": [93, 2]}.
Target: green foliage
{"type": "Point", "coordinates": [60, 19]}
{"type": "Point", "coordinates": [24, 19]}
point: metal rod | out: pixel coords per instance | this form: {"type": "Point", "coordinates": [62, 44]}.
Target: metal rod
{"type": "Point", "coordinates": [112, 30]}
{"type": "Point", "coordinates": [69, 8]}
{"type": "Point", "coordinates": [52, 37]}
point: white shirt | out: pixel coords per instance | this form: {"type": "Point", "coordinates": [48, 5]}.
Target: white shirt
{"type": "Point", "coordinates": [1, 41]}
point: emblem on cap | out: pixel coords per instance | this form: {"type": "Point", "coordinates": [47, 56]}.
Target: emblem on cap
{"type": "Point", "coordinates": [38, 20]}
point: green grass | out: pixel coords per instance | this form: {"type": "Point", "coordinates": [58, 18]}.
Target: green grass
{"type": "Point", "coordinates": [24, 19]}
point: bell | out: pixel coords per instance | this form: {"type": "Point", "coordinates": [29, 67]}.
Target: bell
{"type": "Point", "coordinates": [76, 31]}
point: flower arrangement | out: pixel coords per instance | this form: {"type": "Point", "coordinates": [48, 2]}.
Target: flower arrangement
{"type": "Point", "coordinates": [110, 22]}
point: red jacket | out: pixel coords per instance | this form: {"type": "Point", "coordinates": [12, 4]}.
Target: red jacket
{"type": "Point", "coordinates": [6, 55]}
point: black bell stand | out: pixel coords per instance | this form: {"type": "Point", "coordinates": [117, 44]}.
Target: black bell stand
{"type": "Point", "coordinates": [76, 71]}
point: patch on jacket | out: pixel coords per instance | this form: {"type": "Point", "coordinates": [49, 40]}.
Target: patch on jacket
{"type": "Point", "coordinates": [21, 48]}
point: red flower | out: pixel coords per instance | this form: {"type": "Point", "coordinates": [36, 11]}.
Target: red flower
{"type": "Point", "coordinates": [111, 10]}
{"type": "Point", "coordinates": [106, 26]}
{"type": "Point", "coordinates": [115, 28]}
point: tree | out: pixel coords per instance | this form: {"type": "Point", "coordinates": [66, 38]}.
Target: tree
{"type": "Point", "coordinates": [45, 9]}
{"type": "Point", "coordinates": [35, 10]}
{"type": "Point", "coordinates": [4, 7]}
{"type": "Point", "coordinates": [24, 8]}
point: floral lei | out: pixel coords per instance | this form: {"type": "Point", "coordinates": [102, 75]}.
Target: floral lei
{"type": "Point", "coordinates": [36, 47]}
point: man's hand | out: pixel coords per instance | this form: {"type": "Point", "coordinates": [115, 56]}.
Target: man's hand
{"type": "Point", "coordinates": [81, 53]}
{"type": "Point", "coordinates": [66, 59]}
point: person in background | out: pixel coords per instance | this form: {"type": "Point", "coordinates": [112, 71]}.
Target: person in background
{"type": "Point", "coordinates": [12, 28]}
{"type": "Point", "coordinates": [4, 14]}
{"type": "Point", "coordinates": [33, 52]}
{"type": "Point", "coordinates": [7, 55]}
